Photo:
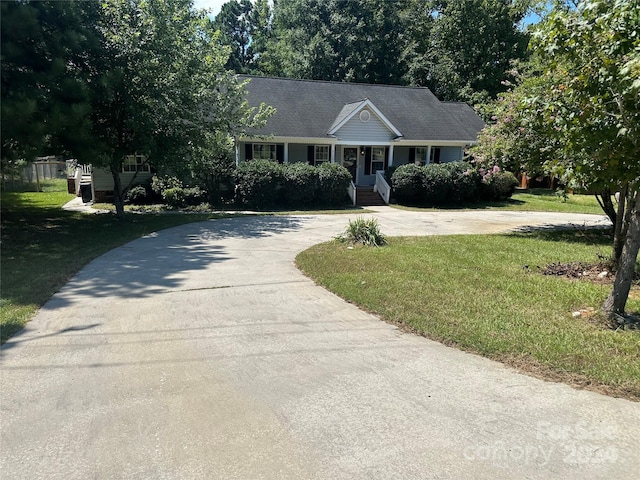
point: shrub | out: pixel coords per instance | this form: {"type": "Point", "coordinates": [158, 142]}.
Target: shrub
{"type": "Point", "coordinates": [175, 194]}
{"type": "Point", "coordinates": [333, 183]}
{"type": "Point", "coordinates": [161, 183]}
{"type": "Point", "coordinates": [215, 173]}
{"type": "Point", "coordinates": [388, 173]}
{"type": "Point", "coordinates": [436, 185]}
{"type": "Point", "coordinates": [136, 195]}
{"type": "Point", "coordinates": [299, 184]}
{"type": "Point", "coordinates": [497, 184]}
{"type": "Point", "coordinates": [463, 183]}
{"type": "Point", "coordinates": [452, 183]}
{"type": "Point", "coordinates": [407, 183]}
{"type": "Point", "coordinates": [364, 231]}
{"type": "Point", "coordinates": [257, 183]}
{"type": "Point", "coordinates": [174, 197]}
{"type": "Point", "coordinates": [194, 196]}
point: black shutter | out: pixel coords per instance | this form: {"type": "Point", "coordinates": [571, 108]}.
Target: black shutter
{"type": "Point", "coordinates": [248, 151]}
{"type": "Point", "coordinates": [386, 158]}
{"type": "Point", "coordinates": [280, 153]}
{"type": "Point", "coordinates": [436, 155]}
{"type": "Point", "coordinates": [310, 154]}
{"type": "Point", "coordinates": [412, 155]}
{"type": "Point", "coordinates": [367, 161]}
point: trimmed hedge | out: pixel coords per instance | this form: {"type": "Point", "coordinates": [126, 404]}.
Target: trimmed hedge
{"type": "Point", "coordinates": [265, 184]}
{"type": "Point", "coordinates": [452, 183]}
{"type": "Point", "coordinates": [407, 183]}
{"type": "Point", "coordinates": [299, 184]}
{"type": "Point", "coordinates": [333, 183]}
{"type": "Point", "coordinates": [257, 183]}
{"type": "Point", "coordinates": [499, 185]}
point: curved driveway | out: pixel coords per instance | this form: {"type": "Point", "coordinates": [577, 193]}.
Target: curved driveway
{"type": "Point", "coordinates": [201, 352]}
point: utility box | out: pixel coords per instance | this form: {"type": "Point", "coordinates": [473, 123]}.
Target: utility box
{"type": "Point", "coordinates": [85, 192]}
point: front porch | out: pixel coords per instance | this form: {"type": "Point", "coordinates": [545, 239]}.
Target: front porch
{"type": "Point", "coordinates": [362, 160]}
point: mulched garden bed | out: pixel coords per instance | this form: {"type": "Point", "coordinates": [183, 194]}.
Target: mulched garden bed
{"type": "Point", "coordinates": [599, 273]}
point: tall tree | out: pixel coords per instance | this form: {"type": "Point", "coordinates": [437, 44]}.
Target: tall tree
{"type": "Point", "coordinates": [44, 72]}
{"type": "Point", "coordinates": [161, 88]}
{"type": "Point", "coordinates": [234, 26]}
{"type": "Point", "coordinates": [260, 24]}
{"type": "Point", "coordinates": [465, 50]}
{"type": "Point", "coordinates": [343, 40]}
{"type": "Point", "coordinates": [245, 28]}
{"type": "Point", "coordinates": [587, 104]}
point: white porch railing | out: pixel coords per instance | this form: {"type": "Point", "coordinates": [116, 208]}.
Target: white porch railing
{"type": "Point", "coordinates": [352, 192]}
{"type": "Point", "coordinates": [382, 187]}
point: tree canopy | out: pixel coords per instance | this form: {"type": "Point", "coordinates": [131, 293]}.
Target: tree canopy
{"type": "Point", "coordinates": [461, 49]}
{"type": "Point", "coordinates": [103, 81]}
{"type": "Point", "coordinates": [45, 67]}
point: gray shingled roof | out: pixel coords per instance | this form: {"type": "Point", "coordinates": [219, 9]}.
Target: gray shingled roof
{"type": "Point", "coordinates": [308, 108]}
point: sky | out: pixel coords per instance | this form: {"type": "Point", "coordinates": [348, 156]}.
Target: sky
{"type": "Point", "coordinates": [213, 5]}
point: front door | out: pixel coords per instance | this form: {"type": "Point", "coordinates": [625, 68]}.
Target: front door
{"type": "Point", "coordinates": [350, 161]}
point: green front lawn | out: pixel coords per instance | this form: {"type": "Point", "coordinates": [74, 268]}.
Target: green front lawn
{"type": "Point", "coordinates": [474, 292]}
{"type": "Point", "coordinates": [43, 246]}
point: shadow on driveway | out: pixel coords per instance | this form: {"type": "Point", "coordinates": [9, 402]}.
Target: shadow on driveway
{"type": "Point", "coordinates": [159, 262]}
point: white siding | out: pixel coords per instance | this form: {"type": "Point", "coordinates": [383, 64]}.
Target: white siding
{"type": "Point", "coordinates": [103, 180]}
{"type": "Point", "coordinates": [371, 132]}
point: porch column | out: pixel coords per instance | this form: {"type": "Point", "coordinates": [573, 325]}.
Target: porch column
{"type": "Point", "coordinates": [333, 153]}
{"type": "Point", "coordinates": [391, 155]}
{"type": "Point", "coordinates": [237, 153]}
{"type": "Point", "coordinates": [286, 153]}
{"type": "Point", "coordinates": [429, 154]}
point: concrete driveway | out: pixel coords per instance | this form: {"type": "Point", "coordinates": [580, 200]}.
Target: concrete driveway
{"type": "Point", "coordinates": [202, 352]}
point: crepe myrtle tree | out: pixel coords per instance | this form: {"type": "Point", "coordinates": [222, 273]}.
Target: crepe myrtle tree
{"type": "Point", "coordinates": [582, 116]}
{"type": "Point", "coordinates": [597, 109]}
{"type": "Point", "coordinates": [160, 87]}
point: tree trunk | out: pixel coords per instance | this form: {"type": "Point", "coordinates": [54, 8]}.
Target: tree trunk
{"type": "Point", "coordinates": [118, 199]}
{"type": "Point", "coordinates": [604, 199]}
{"type": "Point", "coordinates": [619, 231]}
{"type": "Point", "coordinates": [617, 299]}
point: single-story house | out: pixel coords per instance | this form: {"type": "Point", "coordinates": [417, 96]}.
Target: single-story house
{"type": "Point", "coordinates": [363, 127]}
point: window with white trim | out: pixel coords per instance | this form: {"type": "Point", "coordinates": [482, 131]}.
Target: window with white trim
{"type": "Point", "coordinates": [421, 155]}
{"type": "Point", "coordinates": [264, 151]}
{"type": "Point", "coordinates": [135, 163]}
{"type": "Point", "coordinates": [320, 154]}
{"type": "Point", "coordinates": [377, 159]}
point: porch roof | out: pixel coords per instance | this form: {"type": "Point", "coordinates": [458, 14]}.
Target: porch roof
{"type": "Point", "coordinates": [309, 109]}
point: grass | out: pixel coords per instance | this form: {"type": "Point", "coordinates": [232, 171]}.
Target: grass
{"type": "Point", "coordinates": [43, 246]}
{"type": "Point", "coordinates": [473, 293]}
{"type": "Point", "coordinates": [537, 200]}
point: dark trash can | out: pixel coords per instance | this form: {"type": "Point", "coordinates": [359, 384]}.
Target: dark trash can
{"type": "Point", "coordinates": [85, 191]}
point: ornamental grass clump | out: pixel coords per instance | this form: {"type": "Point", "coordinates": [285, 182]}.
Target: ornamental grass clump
{"type": "Point", "coordinates": [363, 231]}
